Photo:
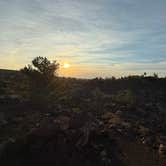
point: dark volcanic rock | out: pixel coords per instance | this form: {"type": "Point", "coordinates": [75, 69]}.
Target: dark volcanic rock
{"type": "Point", "coordinates": [63, 143]}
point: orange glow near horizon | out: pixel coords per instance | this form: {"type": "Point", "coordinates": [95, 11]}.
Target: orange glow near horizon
{"type": "Point", "coordinates": [66, 65]}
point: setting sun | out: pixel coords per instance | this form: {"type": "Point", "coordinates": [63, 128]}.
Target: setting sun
{"type": "Point", "coordinates": [66, 65]}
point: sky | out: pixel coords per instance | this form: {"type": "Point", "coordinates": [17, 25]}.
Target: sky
{"type": "Point", "coordinates": [98, 38]}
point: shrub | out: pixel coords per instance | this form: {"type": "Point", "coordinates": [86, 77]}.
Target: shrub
{"type": "Point", "coordinates": [125, 97]}
{"type": "Point", "coordinates": [41, 80]}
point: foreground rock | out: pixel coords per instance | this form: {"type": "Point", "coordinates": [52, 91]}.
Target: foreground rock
{"type": "Point", "coordinates": [66, 141]}
{"type": "Point", "coordinates": [162, 146]}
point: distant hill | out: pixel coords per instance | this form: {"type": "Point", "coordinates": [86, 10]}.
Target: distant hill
{"type": "Point", "coordinates": [7, 71]}
{"type": "Point", "coordinates": [9, 75]}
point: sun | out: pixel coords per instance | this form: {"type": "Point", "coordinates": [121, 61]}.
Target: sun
{"type": "Point", "coordinates": [66, 65]}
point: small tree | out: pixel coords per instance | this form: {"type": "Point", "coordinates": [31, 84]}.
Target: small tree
{"type": "Point", "coordinates": [155, 75]}
{"type": "Point", "coordinates": [41, 76]}
{"type": "Point", "coordinates": [42, 67]}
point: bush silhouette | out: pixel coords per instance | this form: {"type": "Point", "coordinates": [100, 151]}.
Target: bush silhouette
{"type": "Point", "coordinates": [41, 78]}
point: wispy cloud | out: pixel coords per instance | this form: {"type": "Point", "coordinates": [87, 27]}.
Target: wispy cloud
{"type": "Point", "coordinates": [109, 37]}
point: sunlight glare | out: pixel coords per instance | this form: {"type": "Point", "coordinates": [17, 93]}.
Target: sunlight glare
{"type": "Point", "coordinates": [66, 65]}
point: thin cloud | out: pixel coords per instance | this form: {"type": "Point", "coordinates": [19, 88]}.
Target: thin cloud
{"type": "Point", "coordinates": [120, 35]}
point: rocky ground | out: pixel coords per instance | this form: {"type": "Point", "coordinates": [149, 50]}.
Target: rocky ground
{"type": "Point", "coordinates": [114, 122]}
{"type": "Point", "coordinates": [76, 139]}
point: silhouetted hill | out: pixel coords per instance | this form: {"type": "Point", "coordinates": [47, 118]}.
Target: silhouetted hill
{"type": "Point", "coordinates": [8, 73]}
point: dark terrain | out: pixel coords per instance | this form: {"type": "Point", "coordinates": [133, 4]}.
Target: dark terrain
{"type": "Point", "coordinates": [97, 122]}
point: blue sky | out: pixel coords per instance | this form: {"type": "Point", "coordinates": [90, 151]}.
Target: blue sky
{"type": "Point", "coordinates": [97, 37]}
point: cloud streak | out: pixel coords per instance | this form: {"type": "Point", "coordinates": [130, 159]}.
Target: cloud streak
{"type": "Point", "coordinates": [121, 37]}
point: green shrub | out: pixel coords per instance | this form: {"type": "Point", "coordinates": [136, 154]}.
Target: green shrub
{"type": "Point", "coordinates": [125, 97]}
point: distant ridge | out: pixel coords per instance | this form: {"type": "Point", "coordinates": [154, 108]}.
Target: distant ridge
{"type": "Point", "coordinates": [7, 74]}
{"type": "Point", "coordinates": [7, 71]}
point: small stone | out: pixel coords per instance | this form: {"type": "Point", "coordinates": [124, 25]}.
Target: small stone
{"type": "Point", "coordinates": [12, 140]}
{"type": "Point", "coordinates": [103, 153]}
{"type": "Point", "coordinates": [37, 124]}
{"type": "Point", "coordinates": [3, 122]}
{"type": "Point", "coordinates": [48, 114]}
{"type": "Point", "coordinates": [162, 149]}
